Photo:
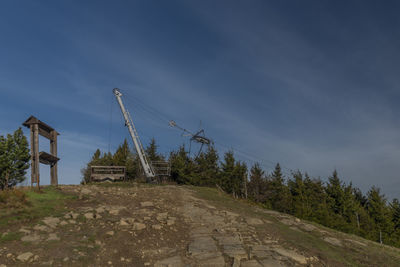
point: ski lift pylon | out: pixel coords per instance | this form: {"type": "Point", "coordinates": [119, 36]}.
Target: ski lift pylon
{"type": "Point", "coordinates": [198, 137]}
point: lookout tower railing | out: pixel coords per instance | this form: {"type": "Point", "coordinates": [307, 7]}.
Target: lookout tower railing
{"type": "Point", "coordinates": [161, 168]}
{"type": "Point", "coordinates": [107, 173]}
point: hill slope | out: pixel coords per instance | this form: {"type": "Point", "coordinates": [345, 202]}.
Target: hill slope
{"type": "Point", "coordinates": [138, 225]}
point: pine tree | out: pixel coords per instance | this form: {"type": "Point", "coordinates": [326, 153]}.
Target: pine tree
{"type": "Point", "coordinates": [151, 151]}
{"type": "Point", "coordinates": [256, 185]}
{"type": "Point", "coordinates": [6, 155]}
{"type": "Point", "coordinates": [317, 209]}
{"type": "Point", "coordinates": [206, 168]}
{"type": "Point", "coordinates": [297, 189]}
{"type": "Point", "coordinates": [14, 159]}
{"type": "Point", "coordinates": [227, 172]}
{"type": "Point", "coordinates": [96, 156]}
{"type": "Point", "coordinates": [181, 166]}
{"type": "Point", "coordinates": [379, 213]}
{"type": "Point", "coordinates": [120, 156]}
{"type": "Point", "coordinates": [395, 211]}
{"type": "Point", "coordinates": [395, 216]}
{"type": "Point", "coordinates": [335, 193]}
{"type": "Point", "coordinates": [336, 199]}
{"type": "Point", "coordinates": [350, 210]}
{"type": "Point", "coordinates": [359, 197]}
{"type": "Point", "coordinates": [239, 179]}
{"type": "Point", "coordinates": [95, 160]}
{"type": "Point", "coordinates": [123, 156]}
{"type": "Point", "coordinates": [279, 194]}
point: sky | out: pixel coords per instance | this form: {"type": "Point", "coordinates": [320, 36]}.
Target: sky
{"type": "Point", "coordinates": [313, 85]}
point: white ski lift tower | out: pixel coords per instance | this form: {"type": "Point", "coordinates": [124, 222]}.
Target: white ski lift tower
{"type": "Point", "coordinates": [148, 170]}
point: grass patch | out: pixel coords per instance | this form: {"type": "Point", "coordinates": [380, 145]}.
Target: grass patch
{"type": "Point", "coordinates": [10, 236]}
{"type": "Point", "coordinates": [49, 201]}
{"type": "Point", "coordinates": [13, 199]}
{"type": "Point", "coordinates": [81, 219]}
{"type": "Point", "coordinates": [92, 238]}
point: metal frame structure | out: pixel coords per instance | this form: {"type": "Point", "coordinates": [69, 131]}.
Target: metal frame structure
{"type": "Point", "coordinates": [148, 170]}
{"type": "Point", "coordinates": [198, 137]}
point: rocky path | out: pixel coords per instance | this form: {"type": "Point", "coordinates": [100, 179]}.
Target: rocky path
{"type": "Point", "coordinates": [154, 226]}
{"type": "Point", "coordinates": [223, 238]}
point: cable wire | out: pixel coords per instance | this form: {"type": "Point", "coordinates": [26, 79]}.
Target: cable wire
{"type": "Point", "coordinates": [158, 116]}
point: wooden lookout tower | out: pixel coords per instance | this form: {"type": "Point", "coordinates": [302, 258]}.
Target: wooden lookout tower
{"type": "Point", "coordinates": [38, 127]}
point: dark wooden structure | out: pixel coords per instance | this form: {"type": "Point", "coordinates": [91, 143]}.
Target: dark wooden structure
{"type": "Point", "coordinates": [161, 168]}
{"type": "Point", "coordinates": [107, 173]}
{"type": "Point", "coordinates": [38, 127]}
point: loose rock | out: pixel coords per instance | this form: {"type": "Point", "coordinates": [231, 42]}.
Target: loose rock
{"type": "Point", "coordinates": [110, 233]}
{"type": "Point", "coordinates": [175, 261]}
{"type": "Point", "coordinates": [89, 215]}
{"type": "Point", "coordinates": [138, 226]}
{"type": "Point", "coordinates": [53, 237]}
{"type": "Point", "coordinates": [254, 221]}
{"type": "Point", "coordinates": [31, 238]}
{"type": "Point", "coordinates": [51, 221]}
{"type": "Point", "coordinates": [147, 204]}
{"type": "Point", "coordinates": [156, 226]}
{"type": "Point", "coordinates": [25, 256]}
{"type": "Point", "coordinates": [291, 254]}
{"type": "Point", "coordinates": [333, 241]}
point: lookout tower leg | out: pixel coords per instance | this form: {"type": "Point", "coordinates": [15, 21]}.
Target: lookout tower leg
{"type": "Point", "coordinates": [53, 151]}
{"type": "Point", "coordinates": [36, 153]}
{"type": "Point", "coordinates": [33, 167]}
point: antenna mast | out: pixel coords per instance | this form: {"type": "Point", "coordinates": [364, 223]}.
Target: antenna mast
{"type": "Point", "coordinates": [148, 170]}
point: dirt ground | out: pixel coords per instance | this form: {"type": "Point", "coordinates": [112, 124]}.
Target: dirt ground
{"type": "Point", "coordinates": [178, 226]}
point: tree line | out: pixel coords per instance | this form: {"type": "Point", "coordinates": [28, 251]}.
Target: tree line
{"type": "Point", "coordinates": [332, 203]}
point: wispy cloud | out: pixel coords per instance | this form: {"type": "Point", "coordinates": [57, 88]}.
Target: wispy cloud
{"type": "Point", "coordinates": [77, 140]}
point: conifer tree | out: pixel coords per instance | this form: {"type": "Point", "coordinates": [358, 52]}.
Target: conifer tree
{"type": "Point", "coordinates": [299, 198]}
{"type": "Point", "coordinates": [256, 186]}
{"type": "Point", "coordinates": [95, 160]}
{"type": "Point", "coordinates": [335, 193]}
{"type": "Point", "coordinates": [395, 216]}
{"type": "Point", "coordinates": [379, 213]}
{"type": "Point", "coordinates": [239, 178]}
{"type": "Point", "coordinates": [359, 197]}
{"type": "Point", "coordinates": [107, 159]}
{"type": "Point", "coordinates": [14, 159]}
{"type": "Point", "coordinates": [96, 155]}
{"type": "Point", "coordinates": [181, 166]}
{"type": "Point", "coordinates": [350, 210]}
{"type": "Point", "coordinates": [151, 151]}
{"type": "Point", "coordinates": [278, 192]}
{"type": "Point", "coordinates": [207, 167]}
{"type": "Point", "coordinates": [317, 209]}
{"type": "Point", "coordinates": [395, 211]}
{"type": "Point", "coordinates": [120, 156]}
{"type": "Point", "coordinates": [336, 199]}
{"type": "Point", "coordinates": [227, 172]}
{"type": "Point", "coordinates": [123, 156]}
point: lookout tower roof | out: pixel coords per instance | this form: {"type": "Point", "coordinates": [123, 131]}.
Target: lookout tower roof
{"type": "Point", "coordinates": [42, 126]}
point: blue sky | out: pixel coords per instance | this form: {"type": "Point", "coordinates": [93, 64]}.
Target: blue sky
{"type": "Point", "coordinates": [313, 85]}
